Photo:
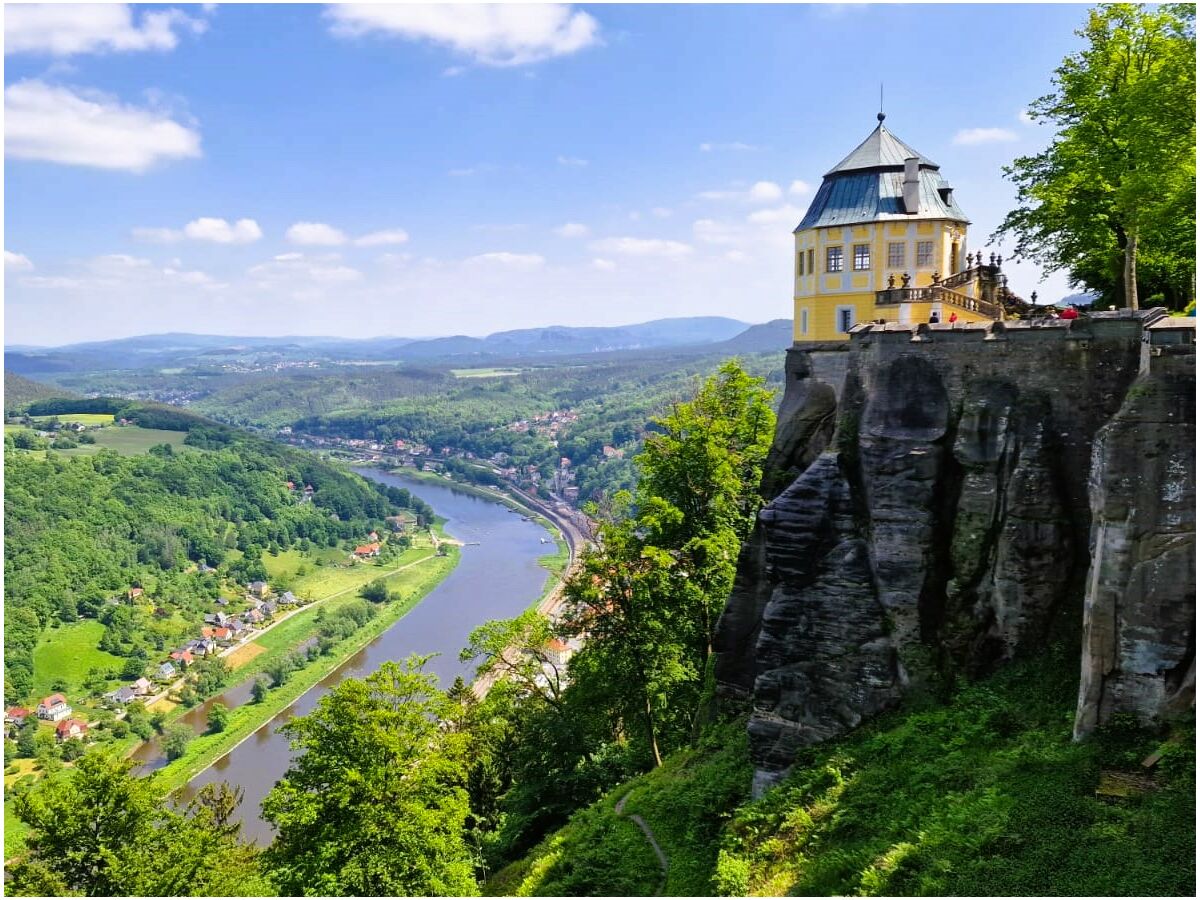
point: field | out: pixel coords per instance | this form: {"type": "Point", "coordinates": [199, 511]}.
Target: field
{"type": "Point", "coordinates": [125, 440]}
{"type": "Point", "coordinates": [131, 440]}
{"type": "Point", "coordinates": [68, 653]}
{"type": "Point", "coordinates": [484, 373]}
{"type": "Point", "coordinates": [81, 418]}
{"type": "Point", "coordinates": [301, 574]}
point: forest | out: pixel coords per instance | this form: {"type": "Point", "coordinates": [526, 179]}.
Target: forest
{"type": "Point", "coordinates": [82, 531]}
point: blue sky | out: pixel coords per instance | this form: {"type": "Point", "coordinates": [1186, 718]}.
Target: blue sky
{"type": "Point", "coordinates": [365, 170]}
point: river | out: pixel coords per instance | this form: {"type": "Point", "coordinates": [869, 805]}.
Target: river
{"type": "Point", "coordinates": [497, 576]}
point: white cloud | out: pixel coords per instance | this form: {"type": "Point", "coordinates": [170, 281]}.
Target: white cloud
{"type": "Point", "coordinates": [711, 231]}
{"type": "Point", "coordinates": [759, 192]}
{"type": "Point", "coordinates": [68, 28]}
{"type": "Point", "coordinates": [492, 34]}
{"type": "Point", "coordinates": [765, 191]}
{"type": "Point", "coordinates": [572, 161]}
{"type": "Point", "coordinates": [16, 262]}
{"type": "Point", "coordinates": [604, 265]}
{"type": "Point", "coordinates": [52, 282]}
{"type": "Point", "coordinates": [972, 136]}
{"type": "Point", "coordinates": [53, 124]}
{"type": "Point", "coordinates": [219, 231]}
{"type": "Point", "coordinates": [737, 256]}
{"type": "Point", "coordinates": [799, 188]}
{"type": "Point", "coordinates": [112, 263]}
{"type": "Point", "coordinates": [1024, 117]}
{"type": "Point", "coordinates": [779, 215]}
{"type": "Point", "coordinates": [298, 270]}
{"type": "Point", "coordinates": [572, 230]}
{"type": "Point", "coordinates": [315, 234]}
{"type": "Point", "coordinates": [387, 237]}
{"type": "Point", "coordinates": [660, 212]}
{"type": "Point", "coordinates": [511, 260]}
{"type": "Point", "coordinates": [631, 246]}
{"type": "Point", "coordinates": [732, 145]}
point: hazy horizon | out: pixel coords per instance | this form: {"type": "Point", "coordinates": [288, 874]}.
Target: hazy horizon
{"type": "Point", "coordinates": [375, 337]}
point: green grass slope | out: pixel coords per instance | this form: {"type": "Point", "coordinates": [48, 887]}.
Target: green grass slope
{"type": "Point", "coordinates": [19, 391]}
{"type": "Point", "coordinates": [984, 795]}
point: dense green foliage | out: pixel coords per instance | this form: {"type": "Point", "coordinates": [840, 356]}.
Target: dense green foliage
{"type": "Point", "coordinates": [374, 805]}
{"type": "Point", "coordinates": [985, 795]}
{"type": "Point", "coordinates": [645, 601]}
{"type": "Point", "coordinates": [102, 832]}
{"type": "Point", "coordinates": [82, 530]}
{"type": "Point", "coordinates": [687, 800]}
{"type": "Point", "coordinates": [19, 392]}
{"type": "Point", "coordinates": [1112, 200]}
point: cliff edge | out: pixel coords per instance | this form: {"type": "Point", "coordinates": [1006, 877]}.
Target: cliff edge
{"type": "Point", "coordinates": [940, 495]}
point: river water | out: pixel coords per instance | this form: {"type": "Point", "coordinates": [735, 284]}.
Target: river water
{"type": "Point", "coordinates": [497, 576]}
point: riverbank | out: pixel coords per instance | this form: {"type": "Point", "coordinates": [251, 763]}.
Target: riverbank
{"type": "Point", "coordinates": [247, 719]}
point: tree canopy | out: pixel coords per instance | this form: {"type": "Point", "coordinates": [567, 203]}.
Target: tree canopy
{"type": "Point", "coordinates": [1112, 200]}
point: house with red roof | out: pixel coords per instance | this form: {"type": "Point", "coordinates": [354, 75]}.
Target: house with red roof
{"type": "Point", "coordinates": [366, 551]}
{"type": "Point", "coordinates": [54, 708]}
{"type": "Point", "coordinates": [183, 657]}
{"type": "Point", "coordinates": [135, 592]}
{"type": "Point", "coordinates": [70, 729]}
{"type": "Point", "coordinates": [223, 635]}
{"type": "Point", "coordinates": [16, 715]}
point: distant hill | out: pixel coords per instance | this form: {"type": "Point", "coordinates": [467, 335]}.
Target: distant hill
{"type": "Point", "coordinates": [191, 350]}
{"type": "Point", "coordinates": [19, 392]}
{"type": "Point", "coordinates": [774, 335]}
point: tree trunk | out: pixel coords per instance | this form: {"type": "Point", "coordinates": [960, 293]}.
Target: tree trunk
{"type": "Point", "coordinates": [650, 728]}
{"type": "Point", "coordinates": [1131, 243]}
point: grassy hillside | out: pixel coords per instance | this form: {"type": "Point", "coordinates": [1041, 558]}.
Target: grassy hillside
{"type": "Point", "coordinates": [985, 795]}
{"type": "Point", "coordinates": [19, 391]}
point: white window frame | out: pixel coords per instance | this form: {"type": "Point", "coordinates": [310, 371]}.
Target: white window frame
{"type": "Point", "coordinates": [837, 319]}
{"type": "Point", "coordinates": [891, 259]}
{"type": "Point", "coordinates": [864, 268]}
{"type": "Point", "coordinates": [928, 264]}
{"type": "Point", "coordinates": [841, 260]}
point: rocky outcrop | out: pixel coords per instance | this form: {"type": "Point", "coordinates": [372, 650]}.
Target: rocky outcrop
{"type": "Point", "coordinates": [932, 511]}
{"type": "Point", "coordinates": [1140, 604]}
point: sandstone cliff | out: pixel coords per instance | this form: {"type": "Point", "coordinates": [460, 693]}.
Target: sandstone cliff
{"type": "Point", "coordinates": [940, 495]}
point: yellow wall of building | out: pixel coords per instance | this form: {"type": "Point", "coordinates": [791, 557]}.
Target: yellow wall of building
{"type": "Point", "coordinates": [819, 295]}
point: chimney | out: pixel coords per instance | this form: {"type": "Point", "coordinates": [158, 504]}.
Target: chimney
{"type": "Point", "coordinates": [912, 188]}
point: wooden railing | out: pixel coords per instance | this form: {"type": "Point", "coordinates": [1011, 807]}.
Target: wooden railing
{"type": "Point", "coordinates": [938, 293]}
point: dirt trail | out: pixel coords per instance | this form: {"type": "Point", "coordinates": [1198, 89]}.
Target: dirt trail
{"type": "Point", "coordinates": [619, 809]}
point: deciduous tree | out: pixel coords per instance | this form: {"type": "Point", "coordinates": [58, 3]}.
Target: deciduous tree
{"type": "Point", "coordinates": [1117, 185]}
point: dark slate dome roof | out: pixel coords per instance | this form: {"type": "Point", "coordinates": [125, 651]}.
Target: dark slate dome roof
{"type": "Point", "coordinates": [868, 186]}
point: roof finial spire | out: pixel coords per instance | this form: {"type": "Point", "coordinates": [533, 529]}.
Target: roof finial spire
{"type": "Point", "coordinates": [881, 116]}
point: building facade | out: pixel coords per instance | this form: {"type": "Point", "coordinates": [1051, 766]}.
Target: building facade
{"type": "Point", "coordinates": [885, 239]}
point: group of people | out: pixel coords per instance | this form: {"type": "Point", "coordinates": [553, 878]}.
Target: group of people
{"type": "Point", "coordinates": [1069, 313]}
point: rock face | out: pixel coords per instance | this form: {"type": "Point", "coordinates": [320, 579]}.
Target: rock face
{"type": "Point", "coordinates": [936, 507]}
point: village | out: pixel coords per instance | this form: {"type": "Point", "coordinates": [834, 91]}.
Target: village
{"type": "Point", "coordinates": [223, 633]}
{"type": "Point", "coordinates": [558, 485]}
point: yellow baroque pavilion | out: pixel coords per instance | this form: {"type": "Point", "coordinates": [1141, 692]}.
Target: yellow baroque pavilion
{"type": "Point", "coordinates": [884, 239]}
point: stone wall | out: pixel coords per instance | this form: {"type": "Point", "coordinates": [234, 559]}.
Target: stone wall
{"type": "Point", "coordinates": [934, 512]}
